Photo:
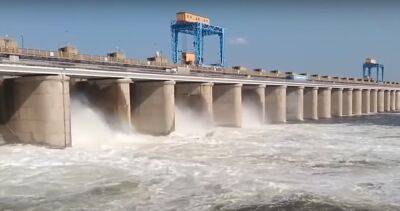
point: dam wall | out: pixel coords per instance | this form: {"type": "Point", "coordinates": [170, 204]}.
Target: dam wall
{"type": "Point", "coordinates": [36, 109]}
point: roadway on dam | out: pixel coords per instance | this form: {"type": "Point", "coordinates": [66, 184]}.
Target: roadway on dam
{"type": "Point", "coordinates": [100, 71]}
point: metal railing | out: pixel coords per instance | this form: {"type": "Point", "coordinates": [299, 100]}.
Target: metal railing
{"type": "Point", "coordinates": [44, 54]}
{"type": "Point", "coordinates": [62, 56]}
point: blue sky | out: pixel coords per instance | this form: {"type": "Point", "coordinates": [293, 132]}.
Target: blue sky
{"type": "Point", "coordinates": [317, 36]}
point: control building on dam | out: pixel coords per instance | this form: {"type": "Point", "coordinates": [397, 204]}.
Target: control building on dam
{"type": "Point", "coordinates": [36, 87]}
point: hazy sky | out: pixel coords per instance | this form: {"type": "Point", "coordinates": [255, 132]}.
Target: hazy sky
{"type": "Point", "coordinates": [326, 37]}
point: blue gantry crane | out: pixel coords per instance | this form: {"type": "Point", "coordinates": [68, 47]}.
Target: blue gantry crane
{"type": "Point", "coordinates": [199, 27]}
{"type": "Point", "coordinates": [369, 65]}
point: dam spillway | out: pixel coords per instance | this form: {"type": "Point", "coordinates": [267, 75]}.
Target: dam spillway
{"type": "Point", "coordinates": [35, 97]}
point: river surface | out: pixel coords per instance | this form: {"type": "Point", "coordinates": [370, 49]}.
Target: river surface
{"type": "Point", "coordinates": [351, 164]}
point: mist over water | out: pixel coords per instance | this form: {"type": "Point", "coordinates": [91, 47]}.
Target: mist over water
{"type": "Point", "coordinates": [338, 165]}
{"type": "Point", "coordinates": [250, 117]}
{"type": "Point", "coordinates": [189, 122]}
{"type": "Point", "coordinates": [90, 129]}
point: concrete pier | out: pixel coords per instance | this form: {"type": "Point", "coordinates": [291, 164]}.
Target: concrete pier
{"type": "Point", "coordinates": [381, 100]}
{"type": "Point", "coordinates": [253, 100]}
{"type": "Point", "coordinates": [387, 101]}
{"type": "Point", "coordinates": [397, 100]}
{"type": "Point", "coordinates": [197, 98]}
{"type": "Point", "coordinates": [366, 101]}
{"type": "Point", "coordinates": [227, 105]}
{"type": "Point", "coordinates": [3, 109]}
{"type": "Point", "coordinates": [337, 102]}
{"type": "Point", "coordinates": [153, 107]}
{"type": "Point", "coordinates": [392, 100]}
{"type": "Point", "coordinates": [294, 103]}
{"type": "Point", "coordinates": [38, 110]}
{"type": "Point", "coordinates": [311, 103]}
{"type": "Point", "coordinates": [110, 96]}
{"type": "Point", "coordinates": [276, 104]}
{"type": "Point", "coordinates": [348, 102]}
{"type": "Point", "coordinates": [374, 101]}
{"type": "Point", "coordinates": [324, 102]}
{"type": "Point", "coordinates": [357, 102]}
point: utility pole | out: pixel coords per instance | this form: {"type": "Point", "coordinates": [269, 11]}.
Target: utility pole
{"type": "Point", "coordinates": [22, 40]}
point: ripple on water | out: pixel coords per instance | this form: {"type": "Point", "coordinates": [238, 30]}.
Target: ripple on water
{"type": "Point", "coordinates": [306, 166]}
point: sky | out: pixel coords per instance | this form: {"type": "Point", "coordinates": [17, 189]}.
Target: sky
{"type": "Point", "coordinates": [315, 36]}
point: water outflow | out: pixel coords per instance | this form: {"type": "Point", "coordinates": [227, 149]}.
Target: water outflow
{"type": "Point", "coordinates": [90, 130]}
{"type": "Point", "coordinates": [190, 122]}
{"type": "Point", "coordinates": [350, 164]}
{"type": "Point", "coordinates": [250, 116]}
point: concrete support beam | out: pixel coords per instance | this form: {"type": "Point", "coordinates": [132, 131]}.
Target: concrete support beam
{"type": "Point", "coordinates": [276, 104]}
{"type": "Point", "coordinates": [366, 101]}
{"type": "Point", "coordinates": [337, 102]}
{"type": "Point", "coordinates": [392, 100]}
{"type": "Point", "coordinates": [373, 101]}
{"type": "Point", "coordinates": [348, 102]}
{"type": "Point", "coordinates": [397, 100]}
{"type": "Point", "coordinates": [198, 97]}
{"type": "Point", "coordinates": [153, 107]}
{"type": "Point", "coordinates": [387, 101]}
{"type": "Point", "coordinates": [311, 103]}
{"type": "Point", "coordinates": [381, 101]}
{"type": "Point", "coordinates": [253, 99]}
{"type": "Point", "coordinates": [357, 102]}
{"type": "Point", "coordinates": [38, 110]}
{"type": "Point", "coordinates": [227, 105]}
{"type": "Point", "coordinates": [294, 103]}
{"type": "Point", "coordinates": [324, 102]}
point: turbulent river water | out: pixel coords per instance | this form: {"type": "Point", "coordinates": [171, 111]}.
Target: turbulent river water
{"type": "Point", "coordinates": [351, 164]}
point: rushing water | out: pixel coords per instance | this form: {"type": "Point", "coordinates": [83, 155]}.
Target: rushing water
{"type": "Point", "coordinates": [353, 164]}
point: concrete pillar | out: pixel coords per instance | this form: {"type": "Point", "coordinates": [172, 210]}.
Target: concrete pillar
{"type": "Point", "coordinates": [197, 97]}
{"type": "Point", "coordinates": [337, 102]}
{"type": "Point", "coordinates": [227, 105]}
{"type": "Point", "coordinates": [311, 103]}
{"type": "Point", "coordinates": [381, 101]}
{"type": "Point", "coordinates": [324, 102]}
{"type": "Point", "coordinates": [3, 116]}
{"type": "Point", "coordinates": [276, 104]}
{"type": "Point", "coordinates": [387, 101]}
{"type": "Point", "coordinates": [397, 100]}
{"type": "Point", "coordinates": [348, 102]}
{"type": "Point", "coordinates": [392, 100]}
{"type": "Point", "coordinates": [111, 97]}
{"type": "Point", "coordinates": [374, 101]}
{"type": "Point", "coordinates": [294, 103]}
{"type": "Point", "coordinates": [153, 107]}
{"type": "Point", "coordinates": [366, 101]}
{"type": "Point", "coordinates": [357, 102]}
{"type": "Point", "coordinates": [253, 99]}
{"type": "Point", "coordinates": [38, 110]}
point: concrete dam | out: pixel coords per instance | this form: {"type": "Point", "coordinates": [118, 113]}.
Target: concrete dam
{"type": "Point", "coordinates": [36, 87]}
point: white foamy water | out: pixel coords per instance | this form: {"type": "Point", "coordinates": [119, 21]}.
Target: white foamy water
{"type": "Point", "coordinates": [351, 164]}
